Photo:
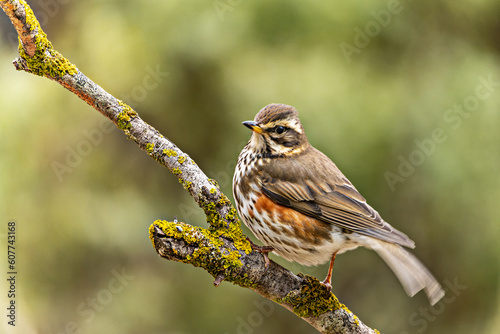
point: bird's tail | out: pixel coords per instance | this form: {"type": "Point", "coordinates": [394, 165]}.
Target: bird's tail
{"type": "Point", "coordinates": [412, 274]}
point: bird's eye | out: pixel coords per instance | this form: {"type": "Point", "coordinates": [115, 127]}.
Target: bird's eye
{"type": "Point", "coordinates": [279, 129]}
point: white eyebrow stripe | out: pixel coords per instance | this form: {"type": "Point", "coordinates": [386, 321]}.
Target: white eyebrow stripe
{"type": "Point", "coordinates": [293, 124]}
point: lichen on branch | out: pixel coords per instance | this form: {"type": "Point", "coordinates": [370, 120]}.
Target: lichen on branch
{"type": "Point", "coordinates": [37, 55]}
{"type": "Point", "coordinates": [216, 252]}
{"type": "Point", "coordinates": [206, 248]}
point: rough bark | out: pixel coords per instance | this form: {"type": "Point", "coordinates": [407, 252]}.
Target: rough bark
{"type": "Point", "coordinates": [222, 249]}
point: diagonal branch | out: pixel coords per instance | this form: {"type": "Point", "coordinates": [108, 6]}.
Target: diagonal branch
{"type": "Point", "coordinates": [222, 249]}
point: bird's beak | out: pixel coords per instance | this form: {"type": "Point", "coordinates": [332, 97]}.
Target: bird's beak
{"type": "Point", "coordinates": [253, 126]}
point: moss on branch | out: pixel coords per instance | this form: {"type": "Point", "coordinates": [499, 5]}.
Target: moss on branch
{"type": "Point", "coordinates": [208, 248]}
{"type": "Point", "coordinates": [213, 250]}
{"type": "Point", "coordinates": [313, 299]}
{"type": "Point", "coordinates": [45, 61]}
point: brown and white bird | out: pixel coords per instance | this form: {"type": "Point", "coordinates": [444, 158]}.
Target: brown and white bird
{"type": "Point", "coordinates": [299, 204]}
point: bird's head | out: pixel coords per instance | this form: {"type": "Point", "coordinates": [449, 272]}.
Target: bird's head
{"type": "Point", "coordinates": [277, 131]}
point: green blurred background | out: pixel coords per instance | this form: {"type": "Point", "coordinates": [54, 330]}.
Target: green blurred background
{"type": "Point", "coordinates": [372, 81]}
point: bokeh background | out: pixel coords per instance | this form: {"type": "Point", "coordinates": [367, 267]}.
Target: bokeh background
{"type": "Point", "coordinates": [403, 96]}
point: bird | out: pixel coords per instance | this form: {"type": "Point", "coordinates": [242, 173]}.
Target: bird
{"type": "Point", "coordinates": [297, 202]}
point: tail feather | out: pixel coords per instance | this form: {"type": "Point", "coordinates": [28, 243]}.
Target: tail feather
{"type": "Point", "coordinates": [412, 274]}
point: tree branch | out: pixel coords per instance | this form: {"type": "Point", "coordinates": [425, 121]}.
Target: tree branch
{"type": "Point", "coordinates": [221, 257]}
{"type": "Point", "coordinates": [222, 249]}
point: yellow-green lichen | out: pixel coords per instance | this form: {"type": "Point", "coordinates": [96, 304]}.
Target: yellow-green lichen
{"type": "Point", "coordinates": [128, 109]}
{"type": "Point", "coordinates": [169, 153]}
{"type": "Point", "coordinates": [125, 116]}
{"type": "Point", "coordinates": [150, 147]}
{"type": "Point", "coordinates": [212, 181]}
{"type": "Point", "coordinates": [185, 184]}
{"type": "Point", "coordinates": [312, 300]}
{"type": "Point", "coordinates": [46, 61]}
{"type": "Point", "coordinates": [356, 319]}
{"type": "Point", "coordinates": [123, 120]}
{"type": "Point", "coordinates": [207, 252]}
{"type": "Point", "coordinates": [176, 171]}
{"type": "Point", "coordinates": [230, 226]}
{"type": "Point", "coordinates": [181, 159]}
{"type": "Point", "coordinates": [221, 228]}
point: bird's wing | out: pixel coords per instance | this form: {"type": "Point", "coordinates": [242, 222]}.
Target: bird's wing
{"type": "Point", "coordinates": [333, 200]}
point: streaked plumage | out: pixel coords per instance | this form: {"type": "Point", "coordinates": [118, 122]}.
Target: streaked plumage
{"type": "Point", "coordinates": [296, 200]}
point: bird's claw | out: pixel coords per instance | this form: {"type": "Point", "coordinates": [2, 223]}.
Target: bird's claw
{"type": "Point", "coordinates": [327, 285]}
{"type": "Point", "coordinates": [264, 250]}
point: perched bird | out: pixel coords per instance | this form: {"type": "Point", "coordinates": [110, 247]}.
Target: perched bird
{"type": "Point", "coordinates": [299, 204]}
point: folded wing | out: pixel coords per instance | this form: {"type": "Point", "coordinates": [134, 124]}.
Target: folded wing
{"type": "Point", "coordinates": [333, 200]}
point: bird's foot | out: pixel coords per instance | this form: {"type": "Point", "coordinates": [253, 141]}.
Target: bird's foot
{"type": "Point", "coordinates": [327, 285]}
{"type": "Point", "coordinates": [264, 250]}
